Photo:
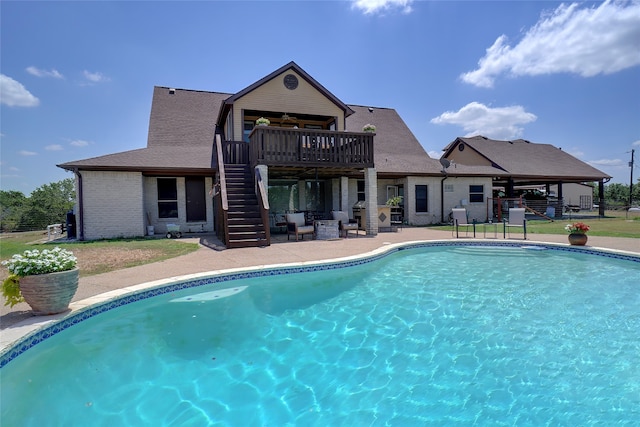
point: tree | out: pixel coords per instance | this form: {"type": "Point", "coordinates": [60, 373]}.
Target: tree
{"type": "Point", "coordinates": [49, 204]}
{"type": "Point", "coordinates": [11, 207]}
{"type": "Point", "coordinates": [618, 194]}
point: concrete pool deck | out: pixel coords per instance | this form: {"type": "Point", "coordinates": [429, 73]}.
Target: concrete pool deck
{"type": "Point", "coordinates": [18, 321]}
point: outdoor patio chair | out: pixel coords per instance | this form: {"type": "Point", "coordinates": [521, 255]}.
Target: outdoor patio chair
{"type": "Point", "coordinates": [516, 219]}
{"type": "Point", "coordinates": [459, 216]}
{"type": "Point", "coordinates": [296, 225]}
{"type": "Point", "coordinates": [345, 223]}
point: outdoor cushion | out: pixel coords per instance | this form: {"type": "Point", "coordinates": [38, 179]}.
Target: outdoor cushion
{"type": "Point", "coordinates": [296, 218]}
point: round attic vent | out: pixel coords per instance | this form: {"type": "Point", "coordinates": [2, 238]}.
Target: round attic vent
{"type": "Point", "coordinates": [290, 81]}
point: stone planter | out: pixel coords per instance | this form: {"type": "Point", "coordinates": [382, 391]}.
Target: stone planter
{"type": "Point", "coordinates": [578, 239]}
{"type": "Point", "coordinates": [49, 293]}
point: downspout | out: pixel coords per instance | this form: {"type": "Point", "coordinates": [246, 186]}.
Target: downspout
{"type": "Point", "coordinates": [80, 202]}
{"type": "Point", "coordinates": [442, 198]}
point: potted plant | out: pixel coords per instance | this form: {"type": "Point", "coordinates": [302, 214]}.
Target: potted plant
{"type": "Point", "coordinates": [394, 201]}
{"type": "Point", "coordinates": [262, 121]}
{"type": "Point", "coordinates": [368, 128]}
{"type": "Point", "coordinates": [47, 280]}
{"type": "Point", "coordinates": [577, 233]}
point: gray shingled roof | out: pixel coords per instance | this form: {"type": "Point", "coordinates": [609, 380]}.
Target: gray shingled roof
{"type": "Point", "coordinates": [182, 127]}
{"type": "Point", "coordinates": [396, 149]}
{"type": "Point", "coordinates": [181, 132]}
{"type": "Point", "coordinates": [161, 158]}
{"type": "Point", "coordinates": [184, 117]}
{"type": "Point", "coordinates": [524, 159]}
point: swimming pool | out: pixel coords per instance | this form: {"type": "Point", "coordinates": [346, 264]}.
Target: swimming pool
{"type": "Point", "coordinates": [448, 334]}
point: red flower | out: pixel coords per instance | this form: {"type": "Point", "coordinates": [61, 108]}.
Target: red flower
{"type": "Point", "coordinates": [577, 227]}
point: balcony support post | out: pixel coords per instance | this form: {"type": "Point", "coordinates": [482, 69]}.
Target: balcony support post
{"type": "Point", "coordinates": [371, 197]}
{"type": "Point", "coordinates": [344, 195]}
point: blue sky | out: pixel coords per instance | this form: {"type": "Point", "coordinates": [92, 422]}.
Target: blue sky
{"type": "Point", "coordinates": [77, 77]}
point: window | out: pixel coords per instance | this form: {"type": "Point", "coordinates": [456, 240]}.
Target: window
{"type": "Point", "coordinates": [167, 198]}
{"type": "Point", "coordinates": [421, 198]}
{"type": "Point", "coordinates": [448, 188]}
{"type": "Point", "coordinates": [392, 191]}
{"type": "Point", "coordinates": [476, 193]}
{"type": "Point", "coordinates": [247, 127]}
{"type": "Point", "coordinates": [361, 193]}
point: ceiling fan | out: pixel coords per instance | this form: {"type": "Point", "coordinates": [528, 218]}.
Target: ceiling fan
{"type": "Point", "coordinates": [285, 118]}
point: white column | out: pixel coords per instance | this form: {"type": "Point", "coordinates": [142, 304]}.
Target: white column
{"type": "Point", "coordinates": [371, 197]}
{"type": "Point", "coordinates": [344, 195]}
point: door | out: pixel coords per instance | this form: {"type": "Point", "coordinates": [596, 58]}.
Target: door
{"type": "Point", "coordinates": [196, 201]}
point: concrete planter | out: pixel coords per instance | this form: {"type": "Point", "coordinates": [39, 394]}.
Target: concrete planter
{"type": "Point", "coordinates": [49, 293]}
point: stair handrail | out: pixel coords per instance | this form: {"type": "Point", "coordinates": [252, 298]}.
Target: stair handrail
{"type": "Point", "coordinates": [224, 203]}
{"type": "Point", "coordinates": [263, 202]}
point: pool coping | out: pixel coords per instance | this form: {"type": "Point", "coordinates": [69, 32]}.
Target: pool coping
{"type": "Point", "coordinates": [22, 336]}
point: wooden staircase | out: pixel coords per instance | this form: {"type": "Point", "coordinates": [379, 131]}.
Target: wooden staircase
{"type": "Point", "coordinates": [245, 225]}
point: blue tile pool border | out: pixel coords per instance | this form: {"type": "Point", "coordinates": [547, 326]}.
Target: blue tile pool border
{"type": "Point", "coordinates": [35, 337]}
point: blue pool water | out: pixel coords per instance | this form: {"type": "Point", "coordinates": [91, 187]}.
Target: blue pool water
{"type": "Point", "coordinates": [446, 335]}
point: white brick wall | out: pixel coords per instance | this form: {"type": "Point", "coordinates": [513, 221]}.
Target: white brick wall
{"type": "Point", "coordinates": [113, 204]}
{"type": "Point", "coordinates": [477, 211]}
{"type": "Point", "coordinates": [160, 224]}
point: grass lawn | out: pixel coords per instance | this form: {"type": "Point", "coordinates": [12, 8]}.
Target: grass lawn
{"type": "Point", "coordinates": [98, 256]}
{"type": "Point", "coordinates": [614, 224]}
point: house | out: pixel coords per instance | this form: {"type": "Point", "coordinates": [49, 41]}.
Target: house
{"type": "Point", "coordinates": [525, 165]}
{"type": "Point", "coordinates": [208, 167]}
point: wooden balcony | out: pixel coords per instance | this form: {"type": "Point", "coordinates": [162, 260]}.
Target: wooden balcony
{"type": "Point", "coordinates": [276, 146]}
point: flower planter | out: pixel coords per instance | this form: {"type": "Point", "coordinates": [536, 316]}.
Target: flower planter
{"type": "Point", "coordinates": [49, 293]}
{"type": "Point", "coordinates": [578, 239]}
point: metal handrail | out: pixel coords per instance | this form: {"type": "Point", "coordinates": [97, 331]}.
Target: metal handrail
{"type": "Point", "coordinates": [263, 201]}
{"type": "Point", "coordinates": [223, 229]}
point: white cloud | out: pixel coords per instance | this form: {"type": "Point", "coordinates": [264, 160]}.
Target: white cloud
{"type": "Point", "coordinates": [636, 144]}
{"type": "Point", "coordinates": [14, 94]}
{"type": "Point", "coordinates": [435, 154]}
{"type": "Point", "coordinates": [478, 119]}
{"type": "Point", "coordinates": [27, 153]}
{"type": "Point", "coordinates": [96, 77]}
{"type": "Point", "coordinates": [607, 162]}
{"type": "Point", "coordinates": [79, 143]}
{"type": "Point", "coordinates": [370, 7]}
{"type": "Point", "coordinates": [54, 147]}
{"type": "Point", "coordinates": [569, 39]}
{"type": "Point", "coordinates": [44, 73]}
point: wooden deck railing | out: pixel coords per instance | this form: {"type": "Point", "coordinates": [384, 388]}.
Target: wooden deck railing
{"type": "Point", "coordinates": [235, 152]}
{"type": "Point", "coordinates": [276, 146]}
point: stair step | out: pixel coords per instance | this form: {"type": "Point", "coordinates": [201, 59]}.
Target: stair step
{"type": "Point", "coordinates": [237, 196]}
{"type": "Point", "coordinates": [242, 202]}
{"type": "Point", "coordinates": [247, 210]}
{"type": "Point", "coordinates": [240, 206]}
{"type": "Point", "coordinates": [244, 225]}
{"type": "Point", "coordinates": [246, 235]}
{"type": "Point", "coordinates": [245, 221]}
{"type": "Point", "coordinates": [239, 232]}
{"type": "Point", "coordinates": [253, 243]}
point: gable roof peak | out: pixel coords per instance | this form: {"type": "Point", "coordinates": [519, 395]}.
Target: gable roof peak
{"type": "Point", "coordinates": [298, 70]}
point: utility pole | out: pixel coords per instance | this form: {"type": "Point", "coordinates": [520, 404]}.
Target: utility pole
{"type": "Point", "coordinates": [631, 180]}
